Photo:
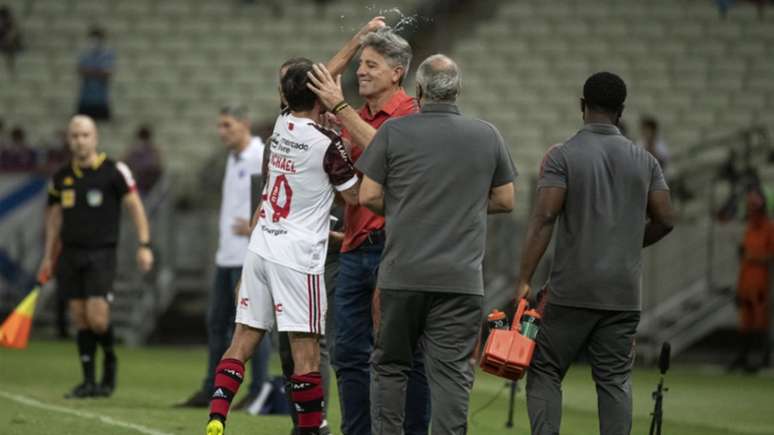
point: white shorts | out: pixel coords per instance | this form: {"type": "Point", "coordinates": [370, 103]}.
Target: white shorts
{"type": "Point", "coordinates": [269, 290]}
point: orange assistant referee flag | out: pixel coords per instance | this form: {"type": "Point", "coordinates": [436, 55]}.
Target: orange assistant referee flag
{"type": "Point", "coordinates": [15, 331]}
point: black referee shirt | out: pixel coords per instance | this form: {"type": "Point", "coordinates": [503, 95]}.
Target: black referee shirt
{"type": "Point", "coordinates": [91, 201]}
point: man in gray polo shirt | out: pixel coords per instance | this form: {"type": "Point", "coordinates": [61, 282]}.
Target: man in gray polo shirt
{"type": "Point", "coordinates": [610, 200]}
{"type": "Point", "coordinates": [434, 175]}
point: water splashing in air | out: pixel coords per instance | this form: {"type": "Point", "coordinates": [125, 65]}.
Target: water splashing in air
{"type": "Point", "coordinates": [395, 15]}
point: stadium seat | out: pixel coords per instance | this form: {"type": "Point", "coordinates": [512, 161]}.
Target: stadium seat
{"type": "Point", "coordinates": [51, 8]}
{"type": "Point", "coordinates": [178, 10]}
{"type": "Point", "coordinates": [175, 55]}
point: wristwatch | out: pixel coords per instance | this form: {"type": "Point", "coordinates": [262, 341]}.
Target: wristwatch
{"type": "Point", "coordinates": [145, 245]}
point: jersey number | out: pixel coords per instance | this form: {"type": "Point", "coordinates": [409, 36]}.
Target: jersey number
{"type": "Point", "coordinates": [280, 211]}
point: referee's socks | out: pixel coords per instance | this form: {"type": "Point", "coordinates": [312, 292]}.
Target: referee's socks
{"type": "Point", "coordinates": [87, 347]}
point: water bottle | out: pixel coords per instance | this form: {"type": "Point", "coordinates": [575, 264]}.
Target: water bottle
{"type": "Point", "coordinates": [497, 320]}
{"type": "Point", "coordinates": [529, 326]}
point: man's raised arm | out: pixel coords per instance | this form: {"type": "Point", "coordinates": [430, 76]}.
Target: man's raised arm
{"type": "Point", "coordinates": [340, 60]}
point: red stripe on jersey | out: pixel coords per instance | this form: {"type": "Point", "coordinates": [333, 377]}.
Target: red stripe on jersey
{"type": "Point", "coordinates": [309, 298]}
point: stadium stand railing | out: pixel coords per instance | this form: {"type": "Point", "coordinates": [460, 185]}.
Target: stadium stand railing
{"type": "Point", "coordinates": [689, 279]}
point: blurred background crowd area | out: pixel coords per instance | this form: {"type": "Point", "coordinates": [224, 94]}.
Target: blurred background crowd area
{"type": "Point", "coordinates": [700, 75]}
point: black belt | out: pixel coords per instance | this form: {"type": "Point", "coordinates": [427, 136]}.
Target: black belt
{"type": "Point", "coordinates": [375, 238]}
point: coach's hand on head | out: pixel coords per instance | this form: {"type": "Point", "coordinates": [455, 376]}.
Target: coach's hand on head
{"type": "Point", "coordinates": [375, 24]}
{"type": "Point", "coordinates": [327, 89]}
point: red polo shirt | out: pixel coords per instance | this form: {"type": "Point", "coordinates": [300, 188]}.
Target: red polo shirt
{"type": "Point", "coordinates": [359, 221]}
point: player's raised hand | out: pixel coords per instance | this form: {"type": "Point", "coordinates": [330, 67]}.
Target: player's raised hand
{"type": "Point", "coordinates": [330, 121]}
{"type": "Point", "coordinates": [327, 88]}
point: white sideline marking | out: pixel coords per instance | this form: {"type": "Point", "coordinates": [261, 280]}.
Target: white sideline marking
{"type": "Point", "coordinates": [101, 418]}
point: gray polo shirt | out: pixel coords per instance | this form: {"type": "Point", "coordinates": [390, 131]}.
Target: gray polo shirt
{"type": "Point", "coordinates": [598, 252]}
{"type": "Point", "coordinates": [437, 168]}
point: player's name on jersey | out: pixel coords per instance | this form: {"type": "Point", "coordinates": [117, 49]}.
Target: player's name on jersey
{"type": "Point", "coordinates": [273, 231]}
{"type": "Point", "coordinates": [283, 164]}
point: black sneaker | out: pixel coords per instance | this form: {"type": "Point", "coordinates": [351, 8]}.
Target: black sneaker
{"type": "Point", "coordinates": [103, 390]}
{"type": "Point", "coordinates": [82, 391]}
{"type": "Point", "coordinates": [199, 399]}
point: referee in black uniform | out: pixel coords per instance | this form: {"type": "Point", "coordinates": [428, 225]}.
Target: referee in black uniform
{"type": "Point", "coordinates": [85, 198]}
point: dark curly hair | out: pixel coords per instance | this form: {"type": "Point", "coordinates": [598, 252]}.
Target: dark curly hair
{"type": "Point", "coordinates": [298, 95]}
{"type": "Point", "coordinates": [295, 61]}
{"type": "Point", "coordinates": [604, 92]}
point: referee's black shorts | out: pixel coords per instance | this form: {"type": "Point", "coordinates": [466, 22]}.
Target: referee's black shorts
{"type": "Point", "coordinates": [86, 272]}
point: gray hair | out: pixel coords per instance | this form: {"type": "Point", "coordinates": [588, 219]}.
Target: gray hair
{"type": "Point", "coordinates": [236, 110]}
{"type": "Point", "coordinates": [392, 46]}
{"type": "Point", "coordinates": [439, 78]}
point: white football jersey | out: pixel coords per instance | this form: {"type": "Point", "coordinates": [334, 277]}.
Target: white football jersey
{"type": "Point", "coordinates": [306, 162]}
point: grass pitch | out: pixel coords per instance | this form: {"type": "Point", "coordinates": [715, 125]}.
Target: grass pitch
{"type": "Point", "coordinates": [32, 383]}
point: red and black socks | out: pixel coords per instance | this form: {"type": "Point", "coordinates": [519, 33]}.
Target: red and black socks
{"type": "Point", "coordinates": [87, 347]}
{"type": "Point", "coordinates": [228, 378]}
{"type": "Point", "coordinates": [307, 394]}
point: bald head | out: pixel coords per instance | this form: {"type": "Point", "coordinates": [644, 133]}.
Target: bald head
{"type": "Point", "coordinates": [82, 137]}
{"type": "Point", "coordinates": [82, 121]}
{"type": "Point", "coordinates": [438, 79]}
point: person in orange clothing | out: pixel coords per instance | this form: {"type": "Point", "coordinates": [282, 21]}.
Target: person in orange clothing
{"type": "Point", "coordinates": [756, 253]}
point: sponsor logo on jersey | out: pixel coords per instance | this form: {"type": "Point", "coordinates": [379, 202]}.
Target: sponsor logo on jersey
{"type": "Point", "coordinates": [244, 302]}
{"type": "Point", "coordinates": [273, 231]}
{"type": "Point", "coordinates": [278, 308]}
{"type": "Point", "coordinates": [286, 145]}
{"type": "Point", "coordinates": [68, 198]}
{"type": "Point", "coordinates": [68, 181]}
{"type": "Point", "coordinates": [342, 151]}
{"type": "Point", "coordinates": [94, 198]}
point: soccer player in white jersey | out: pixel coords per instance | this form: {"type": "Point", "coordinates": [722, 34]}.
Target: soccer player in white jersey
{"type": "Point", "coordinates": [282, 273]}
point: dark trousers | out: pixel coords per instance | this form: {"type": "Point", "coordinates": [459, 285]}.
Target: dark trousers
{"type": "Point", "coordinates": [445, 326]}
{"type": "Point", "coordinates": [354, 344]}
{"type": "Point", "coordinates": [327, 342]}
{"type": "Point", "coordinates": [220, 327]}
{"type": "Point", "coordinates": [608, 338]}
{"type": "Point", "coordinates": [62, 321]}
